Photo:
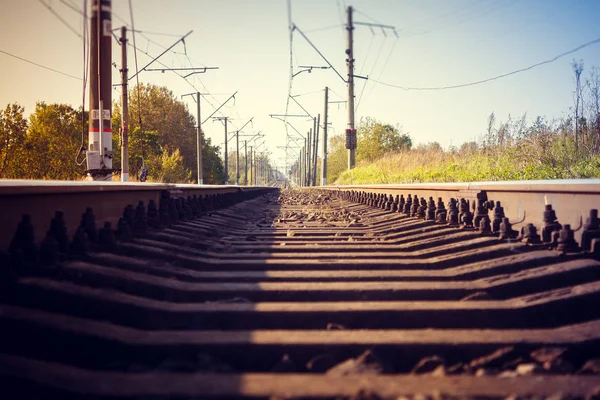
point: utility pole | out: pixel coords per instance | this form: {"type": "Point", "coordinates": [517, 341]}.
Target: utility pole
{"type": "Point", "coordinates": [315, 152]}
{"type": "Point", "coordinates": [304, 161]}
{"type": "Point", "coordinates": [225, 152]}
{"type": "Point", "coordinates": [324, 162]}
{"type": "Point", "coordinates": [302, 166]}
{"type": "Point", "coordinates": [237, 151]}
{"type": "Point", "coordinates": [259, 172]}
{"type": "Point", "coordinates": [309, 157]}
{"type": "Point", "coordinates": [237, 158]}
{"type": "Point", "coordinates": [125, 109]}
{"type": "Point", "coordinates": [199, 142]}
{"type": "Point", "coordinates": [99, 154]}
{"type": "Point", "coordinates": [300, 169]}
{"type": "Point", "coordinates": [350, 131]}
{"type": "Point", "coordinates": [245, 163]}
{"type": "Point", "coordinates": [251, 173]}
{"type": "Point", "coordinates": [198, 138]}
{"type": "Point", "coordinates": [226, 156]}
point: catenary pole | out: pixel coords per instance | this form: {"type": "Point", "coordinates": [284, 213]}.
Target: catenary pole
{"type": "Point", "coordinates": [350, 131]}
{"type": "Point", "coordinates": [309, 157]}
{"type": "Point", "coordinates": [99, 153]}
{"type": "Point", "coordinates": [237, 158]}
{"type": "Point", "coordinates": [125, 109]}
{"type": "Point", "coordinates": [315, 152]}
{"type": "Point", "coordinates": [324, 162]}
{"type": "Point", "coordinates": [226, 156]}
{"type": "Point", "coordinates": [199, 141]}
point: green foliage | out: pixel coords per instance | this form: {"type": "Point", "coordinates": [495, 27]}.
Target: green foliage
{"type": "Point", "coordinates": [168, 167]}
{"type": "Point", "coordinates": [337, 157]}
{"type": "Point", "coordinates": [376, 139]}
{"type": "Point", "coordinates": [52, 143]}
{"type": "Point", "coordinates": [13, 133]}
{"type": "Point", "coordinates": [231, 164]}
{"type": "Point", "coordinates": [213, 171]}
{"type": "Point", "coordinates": [541, 151]}
{"type": "Point", "coordinates": [166, 124]}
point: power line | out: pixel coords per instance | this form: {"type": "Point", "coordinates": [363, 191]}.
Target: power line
{"type": "Point", "coordinates": [487, 9]}
{"type": "Point", "coordinates": [438, 18]}
{"type": "Point", "coordinates": [291, 77]}
{"type": "Point", "coordinates": [317, 50]}
{"type": "Point", "coordinates": [158, 33]}
{"type": "Point", "coordinates": [114, 14]}
{"type": "Point", "coordinates": [365, 15]}
{"type": "Point", "coordinates": [385, 64]}
{"type": "Point", "coordinates": [291, 30]}
{"type": "Point", "coordinates": [307, 93]}
{"type": "Point", "coordinates": [551, 60]}
{"type": "Point", "coordinates": [324, 28]}
{"type": "Point", "coordinates": [139, 105]}
{"type": "Point", "coordinates": [136, 49]}
{"type": "Point", "coordinates": [57, 15]}
{"type": "Point", "coordinates": [40, 65]}
{"type": "Point", "coordinates": [371, 71]}
{"type": "Point", "coordinates": [72, 7]}
{"type": "Point", "coordinates": [341, 14]}
{"type": "Point", "coordinates": [160, 55]}
{"type": "Point", "coordinates": [207, 92]}
{"type": "Point", "coordinates": [86, 55]}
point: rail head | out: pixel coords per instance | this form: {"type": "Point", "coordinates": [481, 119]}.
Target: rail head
{"type": "Point", "coordinates": [525, 201]}
{"type": "Point", "coordinates": [18, 187]}
{"type": "Point", "coordinates": [573, 186]}
{"type": "Point", "coordinates": [41, 199]}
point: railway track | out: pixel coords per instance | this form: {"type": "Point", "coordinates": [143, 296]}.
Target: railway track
{"type": "Point", "coordinates": [350, 292]}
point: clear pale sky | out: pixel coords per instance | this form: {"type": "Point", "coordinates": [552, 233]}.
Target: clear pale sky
{"type": "Point", "coordinates": [440, 42]}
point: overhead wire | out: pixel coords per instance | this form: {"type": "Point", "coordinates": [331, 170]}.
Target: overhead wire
{"type": "Point", "coordinates": [291, 76]}
{"type": "Point", "coordinates": [206, 91]}
{"type": "Point", "coordinates": [324, 28]}
{"type": "Point", "coordinates": [291, 40]}
{"type": "Point", "coordinates": [40, 65]}
{"type": "Point", "coordinates": [548, 61]}
{"type": "Point", "coordinates": [61, 19]}
{"type": "Point", "coordinates": [86, 55]}
{"type": "Point", "coordinates": [157, 33]}
{"type": "Point", "coordinates": [136, 49]}
{"type": "Point", "coordinates": [372, 69]}
{"type": "Point", "coordinates": [365, 15]}
{"type": "Point", "coordinates": [307, 93]}
{"type": "Point", "coordinates": [335, 93]}
{"type": "Point", "coordinates": [385, 64]}
{"type": "Point", "coordinates": [72, 7]}
{"type": "Point", "coordinates": [318, 52]}
{"type": "Point", "coordinates": [469, 15]}
{"type": "Point", "coordinates": [439, 17]}
{"type": "Point", "coordinates": [143, 171]}
{"type": "Point", "coordinates": [115, 15]}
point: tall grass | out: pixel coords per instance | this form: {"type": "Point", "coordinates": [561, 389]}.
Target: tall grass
{"type": "Point", "coordinates": [536, 153]}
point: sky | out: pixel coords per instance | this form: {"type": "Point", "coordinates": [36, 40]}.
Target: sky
{"type": "Point", "coordinates": [438, 43]}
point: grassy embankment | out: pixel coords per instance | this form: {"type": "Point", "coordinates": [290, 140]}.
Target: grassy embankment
{"type": "Point", "coordinates": [525, 160]}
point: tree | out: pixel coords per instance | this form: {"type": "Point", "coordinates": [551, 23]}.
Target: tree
{"type": "Point", "coordinates": [337, 157]}
{"type": "Point", "coordinates": [53, 142]}
{"type": "Point", "coordinates": [375, 139]}
{"type": "Point", "coordinates": [13, 133]}
{"type": "Point", "coordinates": [166, 123]}
{"type": "Point", "coordinates": [168, 167]}
{"type": "Point", "coordinates": [213, 171]}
